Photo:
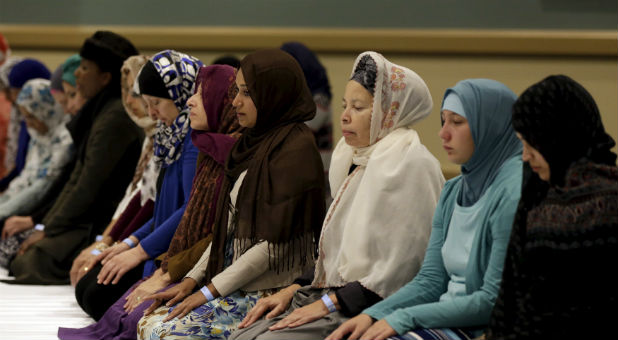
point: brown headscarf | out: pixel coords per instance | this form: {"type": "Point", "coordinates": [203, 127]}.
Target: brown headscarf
{"type": "Point", "coordinates": [281, 200]}
{"type": "Point", "coordinates": [196, 222]}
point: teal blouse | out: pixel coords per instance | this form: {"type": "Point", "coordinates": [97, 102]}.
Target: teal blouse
{"type": "Point", "coordinates": [417, 304]}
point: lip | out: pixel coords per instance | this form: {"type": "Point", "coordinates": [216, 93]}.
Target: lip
{"type": "Point", "coordinates": [347, 133]}
{"type": "Point", "coordinates": [447, 148]}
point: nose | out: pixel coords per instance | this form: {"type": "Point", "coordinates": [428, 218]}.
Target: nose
{"type": "Point", "coordinates": [345, 117]}
{"type": "Point", "coordinates": [525, 155]}
{"type": "Point", "coordinates": [236, 103]}
{"type": "Point", "coordinates": [444, 134]}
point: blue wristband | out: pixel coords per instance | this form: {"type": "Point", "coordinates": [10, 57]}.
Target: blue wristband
{"type": "Point", "coordinates": [39, 227]}
{"type": "Point", "coordinates": [98, 238]}
{"type": "Point", "coordinates": [129, 242]}
{"type": "Point", "coordinates": [95, 252]}
{"type": "Point", "coordinates": [207, 293]}
{"type": "Point", "coordinates": [329, 303]}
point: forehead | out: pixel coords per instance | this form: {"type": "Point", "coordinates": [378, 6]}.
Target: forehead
{"type": "Point", "coordinates": [356, 91]}
{"type": "Point", "coordinates": [449, 113]}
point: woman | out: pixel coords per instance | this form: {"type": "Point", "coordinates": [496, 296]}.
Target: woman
{"type": "Point", "coordinates": [460, 276]}
{"type": "Point", "coordinates": [166, 82]}
{"type": "Point", "coordinates": [138, 201]}
{"type": "Point", "coordinates": [74, 99]}
{"type": "Point", "coordinates": [371, 208]}
{"type": "Point", "coordinates": [556, 282]}
{"type": "Point", "coordinates": [270, 214]}
{"type": "Point", "coordinates": [215, 129]}
{"type": "Point", "coordinates": [50, 149]}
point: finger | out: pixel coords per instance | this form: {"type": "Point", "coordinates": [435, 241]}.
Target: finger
{"type": "Point", "coordinates": [107, 271]}
{"type": "Point", "coordinates": [283, 323]}
{"type": "Point", "coordinates": [155, 304]}
{"type": "Point", "coordinates": [172, 314]}
{"type": "Point", "coordinates": [174, 300]}
{"type": "Point", "coordinates": [253, 315]}
{"type": "Point", "coordinates": [276, 311]}
{"type": "Point", "coordinates": [119, 275]}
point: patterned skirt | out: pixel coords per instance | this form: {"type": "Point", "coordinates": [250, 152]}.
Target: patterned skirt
{"type": "Point", "coordinates": [216, 319]}
{"type": "Point", "coordinates": [10, 246]}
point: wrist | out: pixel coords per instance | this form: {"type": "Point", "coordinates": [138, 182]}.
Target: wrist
{"type": "Point", "coordinates": [328, 303]}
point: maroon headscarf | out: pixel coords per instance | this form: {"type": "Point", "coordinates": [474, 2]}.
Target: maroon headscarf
{"type": "Point", "coordinates": [214, 145]}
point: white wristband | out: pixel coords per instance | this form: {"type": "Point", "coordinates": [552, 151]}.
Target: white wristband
{"type": "Point", "coordinates": [98, 238]}
{"type": "Point", "coordinates": [207, 293]}
{"type": "Point", "coordinates": [330, 305]}
{"type": "Point", "coordinates": [95, 252]}
{"type": "Point", "coordinates": [129, 242]}
{"type": "Point", "coordinates": [39, 227]}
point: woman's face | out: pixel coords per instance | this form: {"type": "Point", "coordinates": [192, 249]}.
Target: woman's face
{"type": "Point", "coordinates": [456, 137]}
{"type": "Point", "coordinates": [89, 78]}
{"type": "Point", "coordinates": [356, 115]}
{"type": "Point", "coordinates": [162, 109]}
{"type": "Point", "coordinates": [535, 159]}
{"type": "Point", "coordinates": [32, 121]}
{"type": "Point", "coordinates": [132, 100]}
{"type": "Point", "coordinates": [197, 115]}
{"type": "Point", "coordinates": [245, 108]}
{"type": "Point", "coordinates": [60, 98]}
{"type": "Point", "coordinates": [75, 100]}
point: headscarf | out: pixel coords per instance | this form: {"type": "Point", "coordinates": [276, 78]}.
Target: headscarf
{"type": "Point", "coordinates": [25, 70]}
{"type": "Point", "coordinates": [281, 199]}
{"type": "Point", "coordinates": [314, 71]}
{"type": "Point", "coordinates": [49, 152]}
{"type": "Point", "coordinates": [214, 145]}
{"type": "Point", "coordinates": [395, 185]}
{"type": "Point", "coordinates": [15, 119]}
{"type": "Point", "coordinates": [68, 68]}
{"type": "Point", "coordinates": [5, 50]}
{"type": "Point", "coordinates": [487, 105]}
{"type": "Point", "coordinates": [56, 80]}
{"type": "Point", "coordinates": [564, 230]}
{"type": "Point", "coordinates": [178, 72]}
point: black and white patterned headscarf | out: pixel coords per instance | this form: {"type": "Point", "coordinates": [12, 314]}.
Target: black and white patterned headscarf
{"type": "Point", "coordinates": [178, 72]}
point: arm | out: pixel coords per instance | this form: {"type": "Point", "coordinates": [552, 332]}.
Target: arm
{"type": "Point", "coordinates": [159, 240]}
{"type": "Point", "coordinates": [106, 146]}
{"type": "Point", "coordinates": [248, 267]}
{"type": "Point", "coordinates": [353, 298]}
{"type": "Point", "coordinates": [475, 308]}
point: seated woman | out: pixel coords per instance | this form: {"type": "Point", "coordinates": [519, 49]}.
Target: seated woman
{"type": "Point", "coordinates": [377, 168]}
{"type": "Point", "coordinates": [214, 131]}
{"type": "Point", "coordinates": [136, 206]}
{"type": "Point", "coordinates": [50, 150]}
{"type": "Point", "coordinates": [460, 276]}
{"type": "Point", "coordinates": [556, 282]}
{"type": "Point", "coordinates": [270, 213]}
{"type": "Point", "coordinates": [166, 82]}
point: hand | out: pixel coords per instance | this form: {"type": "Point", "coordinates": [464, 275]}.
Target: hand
{"type": "Point", "coordinates": [301, 316]}
{"type": "Point", "coordinates": [356, 326]}
{"type": "Point", "coordinates": [117, 266]}
{"type": "Point", "coordinates": [79, 268]}
{"type": "Point", "coordinates": [112, 251]}
{"type": "Point", "coordinates": [176, 293]}
{"type": "Point", "coordinates": [190, 303]}
{"type": "Point", "coordinates": [155, 283]}
{"type": "Point", "coordinates": [379, 331]}
{"type": "Point", "coordinates": [16, 224]}
{"type": "Point", "coordinates": [35, 237]}
{"type": "Point", "coordinates": [276, 304]}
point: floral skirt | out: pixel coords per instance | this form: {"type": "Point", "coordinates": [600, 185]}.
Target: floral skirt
{"type": "Point", "coordinates": [10, 246]}
{"type": "Point", "coordinates": [216, 319]}
{"type": "Point", "coordinates": [438, 334]}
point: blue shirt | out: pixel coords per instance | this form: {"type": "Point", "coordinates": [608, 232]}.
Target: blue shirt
{"type": "Point", "coordinates": [417, 304]}
{"type": "Point", "coordinates": [156, 234]}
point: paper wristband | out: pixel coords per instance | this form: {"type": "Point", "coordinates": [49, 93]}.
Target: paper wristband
{"type": "Point", "coordinates": [95, 252]}
{"type": "Point", "coordinates": [207, 293]}
{"type": "Point", "coordinates": [39, 227]}
{"type": "Point", "coordinates": [329, 303]}
{"type": "Point", "coordinates": [129, 242]}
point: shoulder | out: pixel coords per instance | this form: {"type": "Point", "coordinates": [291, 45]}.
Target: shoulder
{"type": "Point", "coordinates": [507, 183]}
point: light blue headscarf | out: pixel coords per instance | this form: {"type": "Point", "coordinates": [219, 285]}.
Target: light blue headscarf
{"type": "Point", "coordinates": [487, 106]}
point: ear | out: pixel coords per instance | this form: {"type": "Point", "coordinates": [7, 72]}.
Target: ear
{"type": "Point", "coordinates": [106, 78]}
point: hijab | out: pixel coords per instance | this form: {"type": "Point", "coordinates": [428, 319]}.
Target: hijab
{"type": "Point", "coordinates": [48, 152]}
{"type": "Point", "coordinates": [314, 71]}
{"type": "Point", "coordinates": [487, 105]}
{"type": "Point", "coordinates": [395, 185]}
{"type": "Point", "coordinates": [564, 230]}
{"type": "Point", "coordinates": [214, 145]}
{"type": "Point", "coordinates": [178, 72]}
{"type": "Point", "coordinates": [281, 199]}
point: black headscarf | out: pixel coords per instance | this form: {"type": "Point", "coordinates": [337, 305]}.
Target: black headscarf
{"type": "Point", "coordinates": [555, 284]}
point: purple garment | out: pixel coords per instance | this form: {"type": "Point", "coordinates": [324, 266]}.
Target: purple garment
{"type": "Point", "coordinates": [115, 324]}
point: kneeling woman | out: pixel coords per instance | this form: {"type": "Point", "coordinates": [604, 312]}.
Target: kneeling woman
{"type": "Point", "coordinates": [557, 283]}
{"type": "Point", "coordinates": [387, 186]}
{"type": "Point", "coordinates": [271, 211]}
{"type": "Point", "coordinates": [460, 276]}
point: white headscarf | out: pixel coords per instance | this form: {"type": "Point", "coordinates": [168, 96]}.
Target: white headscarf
{"type": "Point", "coordinates": [50, 152]}
{"type": "Point", "coordinates": [376, 230]}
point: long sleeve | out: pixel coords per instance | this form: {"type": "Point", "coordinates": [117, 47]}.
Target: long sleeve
{"type": "Point", "coordinates": [353, 298]}
{"type": "Point", "coordinates": [144, 230]}
{"type": "Point", "coordinates": [26, 199]}
{"type": "Point", "coordinates": [198, 272]}
{"type": "Point", "coordinates": [158, 241]}
{"type": "Point", "coordinates": [249, 266]}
